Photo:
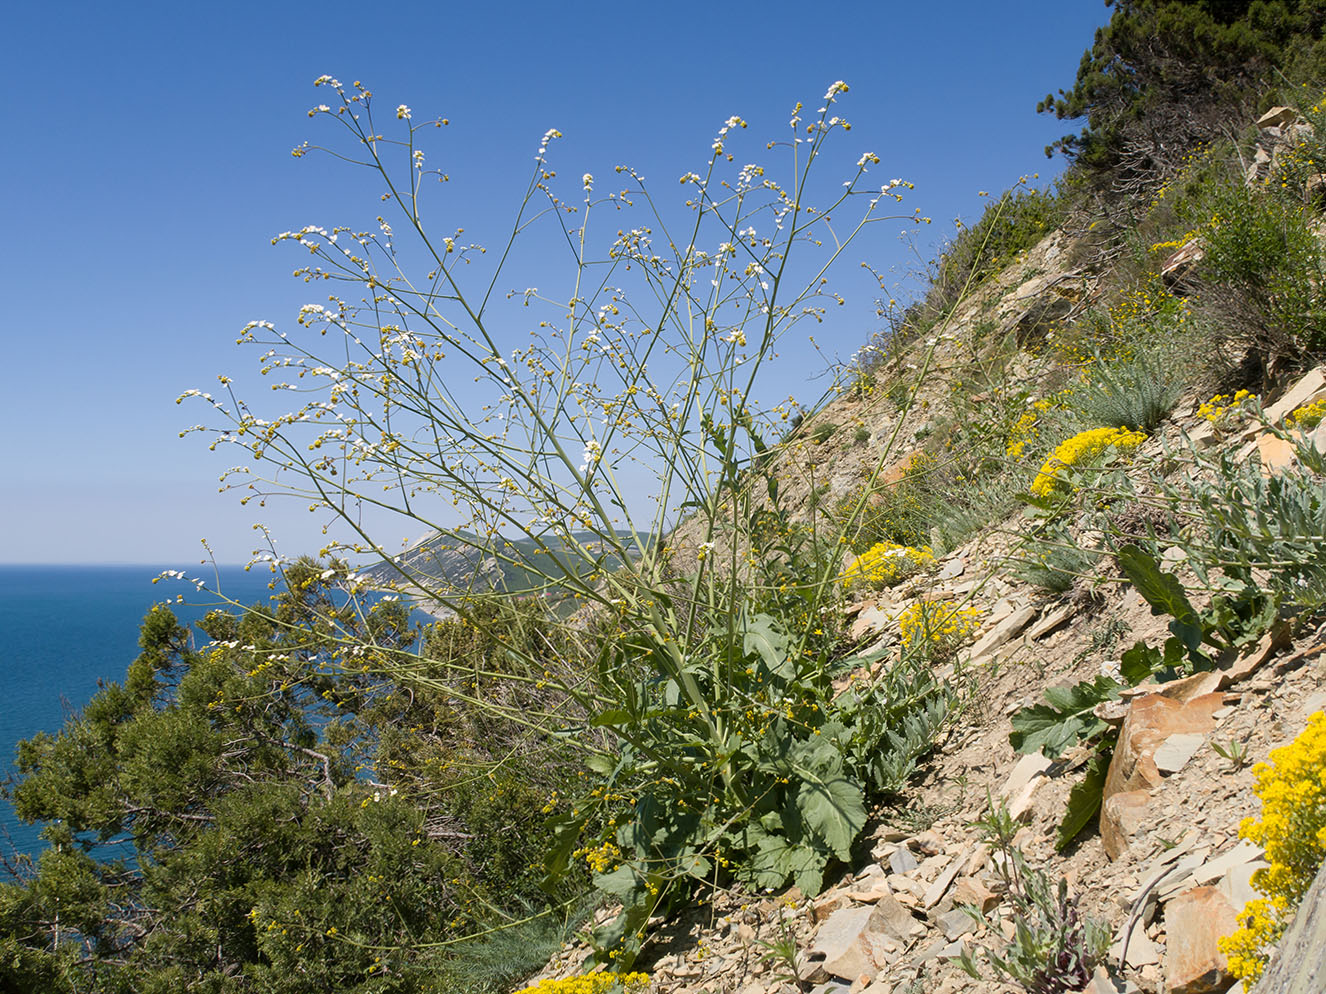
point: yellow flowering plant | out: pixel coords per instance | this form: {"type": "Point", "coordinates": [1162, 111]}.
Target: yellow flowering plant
{"type": "Point", "coordinates": [1292, 828]}
{"type": "Point", "coordinates": [593, 983]}
{"type": "Point", "coordinates": [1085, 449]}
{"type": "Point", "coordinates": [1225, 411]}
{"type": "Point", "coordinates": [936, 628]}
{"type": "Point", "coordinates": [885, 564]}
{"type": "Point", "coordinates": [1308, 416]}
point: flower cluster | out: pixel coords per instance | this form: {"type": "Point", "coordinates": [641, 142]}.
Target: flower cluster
{"type": "Point", "coordinates": [884, 564]}
{"type": "Point", "coordinates": [601, 859]}
{"type": "Point", "coordinates": [1292, 788]}
{"type": "Point", "coordinates": [1026, 429]}
{"type": "Point", "coordinates": [1222, 410]}
{"type": "Point", "coordinates": [592, 983]}
{"type": "Point", "coordinates": [937, 627]}
{"type": "Point", "coordinates": [1308, 416]}
{"type": "Point", "coordinates": [1082, 449]}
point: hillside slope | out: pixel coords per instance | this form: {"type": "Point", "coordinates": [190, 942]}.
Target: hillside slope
{"type": "Point", "coordinates": [934, 446]}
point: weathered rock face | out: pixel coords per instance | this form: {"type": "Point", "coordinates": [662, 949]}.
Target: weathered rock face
{"type": "Point", "coordinates": [857, 941]}
{"type": "Point", "coordinates": [1300, 964]}
{"type": "Point", "coordinates": [1155, 724]}
{"type": "Point", "coordinates": [1151, 720]}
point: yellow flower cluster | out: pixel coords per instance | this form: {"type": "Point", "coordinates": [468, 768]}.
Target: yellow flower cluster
{"type": "Point", "coordinates": [1222, 409]}
{"type": "Point", "coordinates": [1082, 449]}
{"type": "Point", "coordinates": [1025, 430]}
{"type": "Point", "coordinates": [884, 564]}
{"type": "Point", "coordinates": [1292, 788]}
{"type": "Point", "coordinates": [592, 983]}
{"type": "Point", "coordinates": [1149, 300]}
{"type": "Point", "coordinates": [937, 626]}
{"type": "Point", "coordinates": [1308, 416]}
{"type": "Point", "coordinates": [1176, 243]}
{"type": "Point", "coordinates": [601, 859]}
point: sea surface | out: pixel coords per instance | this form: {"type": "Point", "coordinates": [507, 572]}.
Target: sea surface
{"type": "Point", "coordinates": [64, 628]}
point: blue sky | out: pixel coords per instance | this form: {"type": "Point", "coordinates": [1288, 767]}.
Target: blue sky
{"type": "Point", "coordinates": [146, 166]}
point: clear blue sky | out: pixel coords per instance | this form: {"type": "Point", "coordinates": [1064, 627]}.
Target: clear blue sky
{"type": "Point", "coordinates": [146, 165]}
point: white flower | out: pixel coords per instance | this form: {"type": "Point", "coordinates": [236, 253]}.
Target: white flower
{"type": "Point", "coordinates": [402, 113]}
{"type": "Point", "coordinates": [588, 181]}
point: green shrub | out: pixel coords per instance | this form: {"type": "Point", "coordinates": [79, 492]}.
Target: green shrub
{"type": "Point", "coordinates": [1136, 393]}
{"type": "Point", "coordinates": [1055, 947]}
{"type": "Point", "coordinates": [1011, 224]}
{"type": "Point", "coordinates": [1056, 564]}
{"type": "Point", "coordinates": [1266, 265]}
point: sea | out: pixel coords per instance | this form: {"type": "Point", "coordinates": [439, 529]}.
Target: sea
{"type": "Point", "coordinates": [66, 630]}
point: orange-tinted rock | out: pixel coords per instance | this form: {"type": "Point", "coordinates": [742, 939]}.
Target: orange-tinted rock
{"type": "Point", "coordinates": [1151, 720]}
{"type": "Point", "coordinates": [1122, 816]}
{"type": "Point", "coordinates": [1133, 772]}
{"type": "Point", "coordinates": [1194, 921]}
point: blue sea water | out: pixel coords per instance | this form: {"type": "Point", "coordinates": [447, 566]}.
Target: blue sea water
{"type": "Point", "coordinates": [64, 628]}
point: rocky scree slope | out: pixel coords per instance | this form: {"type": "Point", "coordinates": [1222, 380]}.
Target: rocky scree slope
{"type": "Point", "coordinates": [1162, 866]}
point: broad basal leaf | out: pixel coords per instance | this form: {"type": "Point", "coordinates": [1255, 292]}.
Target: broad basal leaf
{"type": "Point", "coordinates": [1084, 799]}
{"type": "Point", "coordinates": [1160, 589]}
{"type": "Point", "coordinates": [1065, 720]}
{"type": "Point", "coordinates": [833, 811]}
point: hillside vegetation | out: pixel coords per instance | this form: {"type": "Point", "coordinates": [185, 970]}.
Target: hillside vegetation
{"type": "Point", "coordinates": [866, 680]}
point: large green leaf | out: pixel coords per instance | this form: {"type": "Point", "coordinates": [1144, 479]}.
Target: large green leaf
{"type": "Point", "coordinates": [1142, 660]}
{"type": "Point", "coordinates": [1084, 799]}
{"type": "Point", "coordinates": [1159, 589]}
{"type": "Point", "coordinates": [765, 639]}
{"type": "Point", "coordinates": [1066, 720]}
{"type": "Point", "coordinates": [833, 811]}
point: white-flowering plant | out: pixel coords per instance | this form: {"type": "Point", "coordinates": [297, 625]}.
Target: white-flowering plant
{"type": "Point", "coordinates": [521, 424]}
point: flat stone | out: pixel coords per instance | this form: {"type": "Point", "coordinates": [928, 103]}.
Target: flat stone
{"type": "Point", "coordinates": [1277, 117]}
{"type": "Point", "coordinates": [1180, 878]}
{"type": "Point", "coordinates": [902, 861]}
{"type": "Point", "coordinates": [870, 890]}
{"type": "Point", "coordinates": [854, 941]}
{"type": "Point", "coordinates": [952, 569]}
{"type": "Point", "coordinates": [1236, 884]}
{"type": "Point", "coordinates": [955, 924]}
{"type": "Point", "coordinates": [1122, 816]}
{"type": "Point", "coordinates": [942, 883]}
{"type": "Point", "coordinates": [1189, 687]}
{"type": "Point", "coordinates": [1003, 631]}
{"type": "Point", "coordinates": [1310, 387]}
{"type": "Point", "coordinates": [1051, 621]}
{"type": "Point", "coordinates": [970, 890]}
{"type": "Point", "coordinates": [1194, 922]}
{"type": "Point", "coordinates": [826, 904]}
{"type": "Point", "coordinates": [894, 918]}
{"type": "Point", "coordinates": [1174, 753]}
{"type": "Point", "coordinates": [1276, 454]}
{"type": "Point", "coordinates": [870, 619]}
{"type": "Point", "coordinates": [1213, 869]}
{"type": "Point", "coordinates": [1027, 769]}
{"type": "Point", "coordinates": [1252, 660]}
{"type": "Point", "coordinates": [1141, 950]}
{"type": "Point", "coordinates": [1021, 807]}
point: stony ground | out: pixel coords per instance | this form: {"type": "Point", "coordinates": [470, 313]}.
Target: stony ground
{"type": "Point", "coordinates": [1175, 872]}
